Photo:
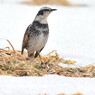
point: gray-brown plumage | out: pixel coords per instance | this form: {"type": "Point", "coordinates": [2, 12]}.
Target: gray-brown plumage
{"type": "Point", "coordinates": [37, 33]}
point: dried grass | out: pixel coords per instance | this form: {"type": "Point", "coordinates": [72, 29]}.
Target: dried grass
{"type": "Point", "coordinates": [17, 65]}
{"type": "Point", "coordinates": [66, 94]}
{"type": "Point", "coordinates": [72, 94]}
{"type": "Point", "coordinates": [54, 2]}
{"type": "Point", "coordinates": [40, 2]}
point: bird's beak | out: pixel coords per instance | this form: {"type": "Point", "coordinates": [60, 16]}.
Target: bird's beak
{"type": "Point", "coordinates": [53, 9]}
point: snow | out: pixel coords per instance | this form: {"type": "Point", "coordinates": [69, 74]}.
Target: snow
{"type": "Point", "coordinates": [72, 34]}
{"type": "Point", "coordinates": [49, 84]}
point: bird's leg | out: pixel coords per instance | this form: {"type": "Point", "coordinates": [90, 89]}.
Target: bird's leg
{"type": "Point", "coordinates": [38, 54]}
{"type": "Point", "coordinates": [41, 60]}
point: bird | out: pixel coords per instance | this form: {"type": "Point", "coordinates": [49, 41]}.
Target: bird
{"type": "Point", "coordinates": [37, 33]}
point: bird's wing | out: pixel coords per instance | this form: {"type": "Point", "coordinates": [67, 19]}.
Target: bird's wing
{"type": "Point", "coordinates": [25, 39]}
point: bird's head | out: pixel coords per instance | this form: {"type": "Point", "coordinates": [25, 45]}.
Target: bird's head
{"type": "Point", "coordinates": [43, 14]}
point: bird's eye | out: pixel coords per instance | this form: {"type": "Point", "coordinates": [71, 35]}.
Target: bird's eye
{"type": "Point", "coordinates": [46, 9]}
{"type": "Point", "coordinates": [41, 12]}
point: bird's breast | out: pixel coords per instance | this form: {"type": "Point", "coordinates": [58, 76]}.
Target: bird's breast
{"type": "Point", "coordinates": [38, 42]}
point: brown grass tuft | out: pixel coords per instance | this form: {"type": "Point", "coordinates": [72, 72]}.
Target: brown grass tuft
{"type": "Point", "coordinates": [54, 2]}
{"type": "Point", "coordinates": [18, 65]}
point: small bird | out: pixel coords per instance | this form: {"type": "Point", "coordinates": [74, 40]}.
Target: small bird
{"type": "Point", "coordinates": [37, 33]}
